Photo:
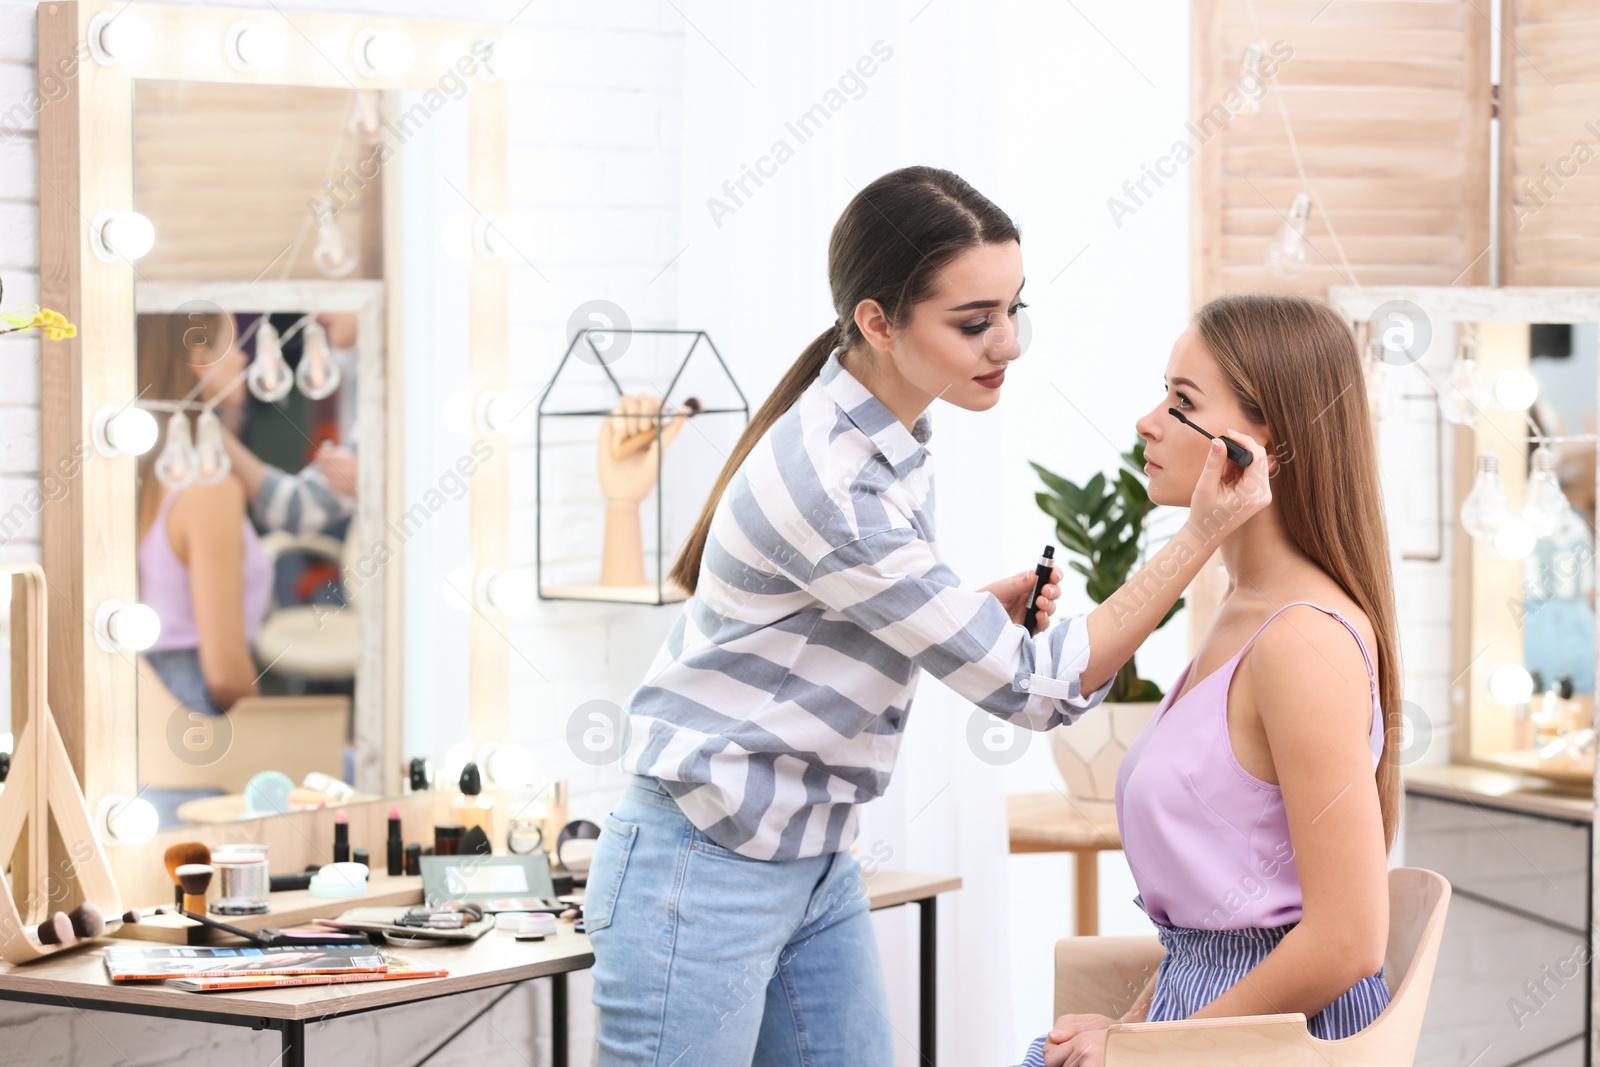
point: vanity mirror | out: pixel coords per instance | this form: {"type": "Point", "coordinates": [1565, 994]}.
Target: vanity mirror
{"type": "Point", "coordinates": [1512, 375]}
{"type": "Point", "coordinates": [305, 300]}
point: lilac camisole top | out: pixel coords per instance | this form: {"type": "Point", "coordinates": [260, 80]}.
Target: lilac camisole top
{"type": "Point", "coordinates": [1208, 842]}
{"type": "Point", "coordinates": [164, 584]}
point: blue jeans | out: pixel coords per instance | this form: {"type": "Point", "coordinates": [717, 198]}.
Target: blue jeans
{"type": "Point", "coordinates": [704, 956]}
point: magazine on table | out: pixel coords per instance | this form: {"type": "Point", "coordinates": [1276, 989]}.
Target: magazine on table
{"type": "Point", "coordinates": [149, 963]}
{"type": "Point", "coordinates": [399, 967]}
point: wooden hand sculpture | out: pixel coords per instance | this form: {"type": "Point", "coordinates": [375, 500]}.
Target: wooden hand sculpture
{"type": "Point", "coordinates": [630, 456]}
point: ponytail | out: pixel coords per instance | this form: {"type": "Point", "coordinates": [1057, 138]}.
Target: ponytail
{"type": "Point", "coordinates": [686, 571]}
{"type": "Point", "coordinates": [887, 247]}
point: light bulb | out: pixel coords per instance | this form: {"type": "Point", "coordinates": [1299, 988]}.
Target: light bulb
{"type": "Point", "coordinates": [129, 431]}
{"type": "Point", "coordinates": [384, 52]}
{"type": "Point", "coordinates": [1515, 389]}
{"type": "Point", "coordinates": [509, 766]}
{"type": "Point", "coordinates": [510, 591]}
{"type": "Point", "coordinates": [1510, 684]}
{"type": "Point", "coordinates": [499, 412]}
{"type": "Point", "coordinates": [1515, 538]}
{"type": "Point", "coordinates": [127, 820]}
{"type": "Point", "coordinates": [334, 254]}
{"type": "Point", "coordinates": [317, 376]}
{"type": "Point", "coordinates": [1486, 509]}
{"type": "Point", "coordinates": [488, 237]}
{"type": "Point", "coordinates": [119, 38]}
{"type": "Point", "coordinates": [178, 464]}
{"type": "Point", "coordinates": [116, 235]}
{"type": "Point", "coordinates": [126, 627]}
{"type": "Point", "coordinates": [211, 458]}
{"type": "Point", "coordinates": [269, 377]}
{"type": "Point", "coordinates": [1286, 255]}
{"type": "Point", "coordinates": [1465, 395]}
{"type": "Point", "coordinates": [248, 45]}
{"type": "Point", "coordinates": [1544, 505]}
{"type": "Point", "coordinates": [1251, 87]}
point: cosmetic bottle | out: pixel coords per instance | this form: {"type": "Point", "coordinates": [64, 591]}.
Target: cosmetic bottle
{"type": "Point", "coordinates": [471, 807]}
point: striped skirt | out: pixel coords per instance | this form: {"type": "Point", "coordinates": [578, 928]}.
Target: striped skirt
{"type": "Point", "coordinates": [1201, 965]}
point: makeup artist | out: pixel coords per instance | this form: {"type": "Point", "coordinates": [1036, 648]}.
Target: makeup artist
{"type": "Point", "coordinates": [726, 912]}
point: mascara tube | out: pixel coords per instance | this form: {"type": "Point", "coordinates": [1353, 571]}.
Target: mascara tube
{"type": "Point", "coordinates": [1041, 578]}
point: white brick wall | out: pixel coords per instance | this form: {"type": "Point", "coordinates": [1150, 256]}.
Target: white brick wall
{"type": "Point", "coordinates": [594, 179]}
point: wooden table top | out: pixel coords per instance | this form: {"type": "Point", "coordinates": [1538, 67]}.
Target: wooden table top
{"type": "Point", "coordinates": [495, 959]}
{"type": "Point", "coordinates": [1500, 788]}
{"type": "Point", "coordinates": [1052, 822]}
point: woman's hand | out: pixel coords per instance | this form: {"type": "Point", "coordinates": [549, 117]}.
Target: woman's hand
{"type": "Point", "coordinates": [1227, 494]}
{"type": "Point", "coordinates": [1077, 1041]}
{"type": "Point", "coordinates": [1013, 596]}
{"type": "Point", "coordinates": [1085, 1049]}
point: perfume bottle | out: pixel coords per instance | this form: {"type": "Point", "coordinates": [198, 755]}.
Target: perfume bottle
{"type": "Point", "coordinates": [470, 807]}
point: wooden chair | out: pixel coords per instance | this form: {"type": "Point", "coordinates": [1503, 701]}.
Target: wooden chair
{"type": "Point", "coordinates": [1103, 975]}
{"type": "Point", "coordinates": [295, 735]}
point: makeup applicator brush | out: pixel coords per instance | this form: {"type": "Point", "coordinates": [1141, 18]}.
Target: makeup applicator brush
{"type": "Point", "coordinates": [178, 855]}
{"type": "Point", "coordinates": [1236, 452]}
{"type": "Point", "coordinates": [56, 930]}
{"type": "Point", "coordinates": [634, 442]}
{"type": "Point", "coordinates": [195, 879]}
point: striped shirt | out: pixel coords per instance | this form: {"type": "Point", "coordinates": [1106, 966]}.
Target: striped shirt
{"type": "Point", "coordinates": [300, 504]}
{"type": "Point", "coordinates": [777, 703]}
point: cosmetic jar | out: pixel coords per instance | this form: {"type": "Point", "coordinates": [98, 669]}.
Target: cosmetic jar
{"type": "Point", "coordinates": [242, 879]}
{"type": "Point", "coordinates": [340, 880]}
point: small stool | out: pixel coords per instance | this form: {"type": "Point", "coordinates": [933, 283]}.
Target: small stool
{"type": "Point", "coordinates": [1050, 822]}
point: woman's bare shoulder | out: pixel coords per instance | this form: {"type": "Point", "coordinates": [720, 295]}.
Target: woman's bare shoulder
{"type": "Point", "coordinates": [203, 509]}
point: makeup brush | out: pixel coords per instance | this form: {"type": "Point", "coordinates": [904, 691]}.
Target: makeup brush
{"type": "Point", "coordinates": [634, 442]}
{"type": "Point", "coordinates": [195, 879]}
{"type": "Point", "coordinates": [56, 930]}
{"type": "Point", "coordinates": [1236, 452]}
{"type": "Point", "coordinates": [86, 919]}
{"type": "Point", "coordinates": [176, 856]}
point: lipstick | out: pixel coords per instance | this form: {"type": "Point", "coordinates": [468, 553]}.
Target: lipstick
{"type": "Point", "coordinates": [1236, 452]}
{"type": "Point", "coordinates": [341, 837]}
{"type": "Point", "coordinates": [397, 846]}
{"type": "Point", "coordinates": [1041, 578]}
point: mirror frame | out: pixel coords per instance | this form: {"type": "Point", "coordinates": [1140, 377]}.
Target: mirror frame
{"type": "Point", "coordinates": [85, 166]}
{"type": "Point", "coordinates": [1480, 305]}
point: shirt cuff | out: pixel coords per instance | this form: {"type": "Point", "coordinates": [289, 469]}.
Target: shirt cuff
{"type": "Point", "coordinates": [1071, 656]}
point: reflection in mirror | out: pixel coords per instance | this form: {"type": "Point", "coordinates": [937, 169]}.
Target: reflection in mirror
{"type": "Point", "coordinates": [1558, 575]}
{"type": "Point", "coordinates": [1530, 514]}
{"type": "Point", "coordinates": [265, 510]}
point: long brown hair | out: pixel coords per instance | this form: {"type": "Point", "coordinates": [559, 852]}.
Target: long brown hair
{"type": "Point", "coordinates": [167, 372]}
{"type": "Point", "coordinates": [888, 246]}
{"type": "Point", "coordinates": [1294, 366]}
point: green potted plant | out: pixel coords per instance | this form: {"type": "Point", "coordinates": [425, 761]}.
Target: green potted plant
{"type": "Point", "coordinates": [1102, 523]}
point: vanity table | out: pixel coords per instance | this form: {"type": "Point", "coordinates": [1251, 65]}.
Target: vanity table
{"type": "Point", "coordinates": [78, 979]}
{"type": "Point", "coordinates": [1517, 854]}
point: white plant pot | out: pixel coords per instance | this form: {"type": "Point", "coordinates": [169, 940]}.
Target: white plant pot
{"type": "Point", "coordinates": [1088, 752]}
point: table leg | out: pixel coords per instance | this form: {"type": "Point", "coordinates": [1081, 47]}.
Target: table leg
{"type": "Point", "coordinates": [294, 1043]}
{"type": "Point", "coordinates": [928, 1018]}
{"type": "Point", "coordinates": [1086, 868]}
{"type": "Point", "coordinates": [558, 1020]}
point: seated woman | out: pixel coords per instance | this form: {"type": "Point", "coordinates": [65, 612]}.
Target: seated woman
{"type": "Point", "coordinates": [201, 567]}
{"type": "Point", "coordinates": [1258, 806]}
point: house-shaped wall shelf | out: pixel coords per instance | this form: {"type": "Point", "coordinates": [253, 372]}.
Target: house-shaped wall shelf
{"type": "Point", "coordinates": [632, 432]}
